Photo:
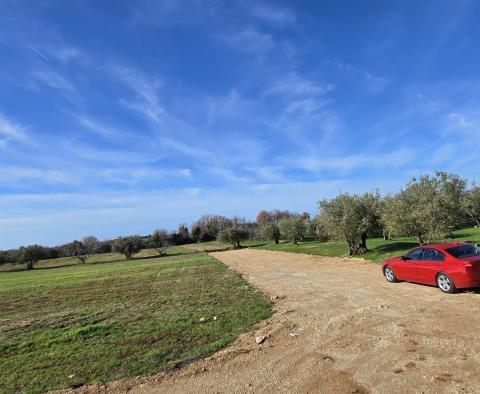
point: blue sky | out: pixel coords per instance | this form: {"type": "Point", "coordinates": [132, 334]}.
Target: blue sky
{"type": "Point", "coordinates": [118, 117]}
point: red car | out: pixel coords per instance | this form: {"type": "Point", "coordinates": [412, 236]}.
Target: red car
{"type": "Point", "coordinates": [450, 266]}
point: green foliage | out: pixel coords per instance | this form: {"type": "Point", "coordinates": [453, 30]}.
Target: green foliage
{"type": "Point", "coordinates": [101, 322]}
{"type": "Point", "coordinates": [317, 229]}
{"type": "Point", "coordinates": [128, 245]}
{"type": "Point", "coordinates": [293, 229]}
{"type": "Point", "coordinates": [427, 208]}
{"type": "Point", "coordinates": [471, 204]}
{"type": "Point", "coordinates": [76, 249]}
{"type": "Point", "coordinates": [346, 218]}
{"type": "Point", "coordinates": [233, 236]}
{"type": "Point", "coordinates": [29, 255]}
{"type": "Point", "coordinates": [270, 232]}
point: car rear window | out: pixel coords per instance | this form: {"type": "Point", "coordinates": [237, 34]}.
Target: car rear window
{"type": "Point", "coordinates": [463, 251]}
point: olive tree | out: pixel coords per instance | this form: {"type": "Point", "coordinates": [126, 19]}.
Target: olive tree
{"type": "Point", "coordinates": [270, 232]}
{"type": "Point", "coordinates": [233, 235]}
{"type": "Point", "coordinates": [77, 249]}
{"type": "Point", "coordinates": [316, 229]}
{"type": "Point", "coordinates": [346, 219]}
{"type": "Point", "coordinates": [128, 245]}
{"type": "Point", "coordinates": [82, 249]}
{"type": "Point", "coordinates": [471, 204]}
{"type": "Point", "coordinates": [373, 206]}
{"type": "Point", "coordinates": [160, 241]}
{"type": "Point", "coordinates": [29, 255]}
{"type": "Point", "coordinates": [427, 208]}
{"type": "Point", "coordinates": [293, 228]}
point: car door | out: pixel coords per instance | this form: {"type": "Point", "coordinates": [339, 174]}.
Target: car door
{"type": "Point", "coordinates": [429, 265]}
{"type": "Point", "coordinates": [406, 269]}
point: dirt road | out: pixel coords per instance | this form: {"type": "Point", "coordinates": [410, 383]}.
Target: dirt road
{"type": "Point", "coordinates": [338, 327]}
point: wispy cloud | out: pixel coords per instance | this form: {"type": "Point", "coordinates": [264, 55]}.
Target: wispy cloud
{"type": "Point", "coordinates": [17, 174]}
{"type": "Point", "coordinates": [348, 163]}
{"type": "Point", "coordinates": [55, 80]}
{"type": "Point", "coordinates": [293, 84]}
{"type": "Point", "coordinates": [372, 83]}
{"type": "Point", "coordinates": [273, 14]}
{"type": "Point", "coordinates": [251, 40]}
{"type": "Point", "coordinates": [104, 129]}
{"type": "Point", "coordinates": [11, 130]}
{"type": "Point", "coordinates": [67, 53]}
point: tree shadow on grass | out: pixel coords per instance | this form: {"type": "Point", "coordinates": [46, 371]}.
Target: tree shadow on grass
{"type": "Point", "coordinates": [394, 247]}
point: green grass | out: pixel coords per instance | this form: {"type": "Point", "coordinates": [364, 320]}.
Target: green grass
{"type": "Point", "coordinates": [379, 249]}
{"type": "Point", "coordinates": [100, 322]}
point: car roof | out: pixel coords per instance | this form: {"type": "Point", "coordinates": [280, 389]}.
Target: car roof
{"type": "Point", "coordinates": [443, 245]}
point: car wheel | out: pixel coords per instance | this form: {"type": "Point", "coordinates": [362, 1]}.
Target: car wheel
{"type": "Point", "coordinates": [390, 275]}
{"type": "Point", "coordinates": [445, 283]}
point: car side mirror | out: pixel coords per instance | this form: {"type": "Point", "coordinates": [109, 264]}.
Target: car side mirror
{"type": "Point", "coordinates": [404, 258]}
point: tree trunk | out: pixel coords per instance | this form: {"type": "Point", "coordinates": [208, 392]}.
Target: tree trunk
{"type": "Point", "coordinates": [363, 244]}
{"type": "Point", "coordinates": [28, 265]}
{"type": "Point", "coordinates": [385, 235]}
{"type": "Point", "coordinates": [277, 240]}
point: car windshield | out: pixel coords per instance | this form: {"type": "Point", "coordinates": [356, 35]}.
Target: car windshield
{"type": "Point", "coordinates": [464, 251]}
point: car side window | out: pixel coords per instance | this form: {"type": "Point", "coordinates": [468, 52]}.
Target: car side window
{"type": "Point", "coordinates": [415, 254]}
{"type": "Point", "coordinates": [430, 254]}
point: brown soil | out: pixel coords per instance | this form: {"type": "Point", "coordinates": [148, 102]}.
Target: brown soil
{"type": "Point", "coordinates": [338, 327]}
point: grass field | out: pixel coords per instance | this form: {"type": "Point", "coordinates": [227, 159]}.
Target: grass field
{"type": "Point", "coordinates": [77, 324]}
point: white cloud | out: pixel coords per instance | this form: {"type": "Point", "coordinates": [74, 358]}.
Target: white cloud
{"type": "Point", "coordinates": [18, 174]}
{"type": "Point", "coordinates": [394, 159]}
{"type": "Point", "coordinates": [372, 83]}
{"type": "Point", "coordinates": [251, 40]}
{"type": "Point", "coordinates": [53, 79]}
{"type": "Point", "coordinates": [274, 14]}
{"type": "Point", "coordinates": [66, 53]}
{"type": "Point", "coordinates": [464, 123]}
{"type": "Point", "coordinates": [293, 84]}
{"type": "Point", "coordinates": [103, 129]}
{"type": "Point", "coordinates": [11, 130]}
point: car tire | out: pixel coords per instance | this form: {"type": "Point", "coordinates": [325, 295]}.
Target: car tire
{"type": "Point", "coordinates": [390, 274]}
{"type": "Point", "coordinates": [445, 283]}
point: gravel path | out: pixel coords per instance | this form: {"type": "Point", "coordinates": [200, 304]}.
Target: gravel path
{"type": "Point", "coordinates": [338, 327]}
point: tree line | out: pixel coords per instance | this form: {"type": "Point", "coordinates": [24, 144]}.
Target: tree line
{"type": "Point", "coordinates": [427, 208]}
